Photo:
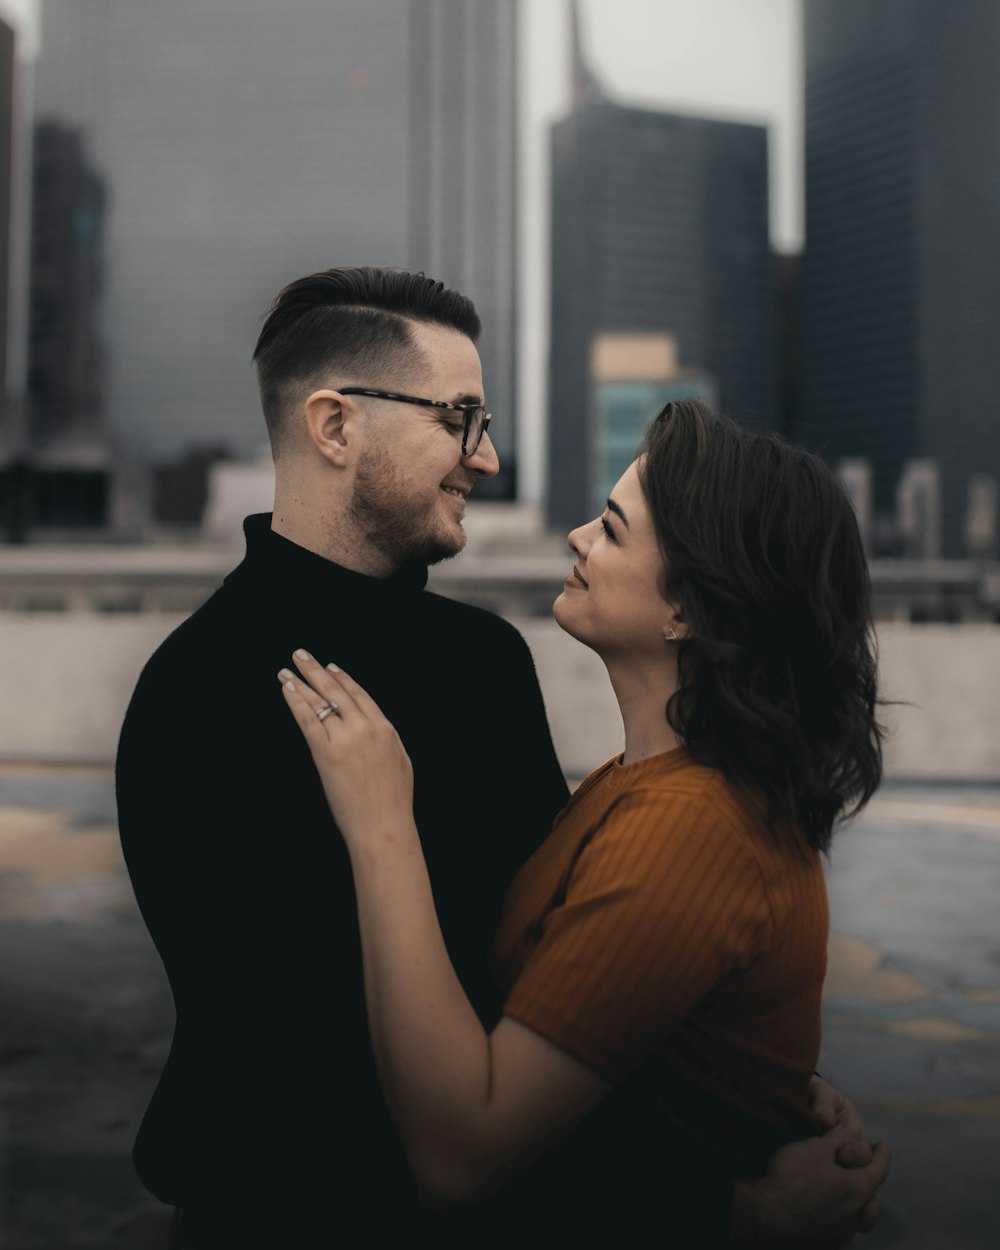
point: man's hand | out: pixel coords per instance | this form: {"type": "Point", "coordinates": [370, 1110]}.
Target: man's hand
{"type": "Point", "coordinates": [834, 1109]}
{"type": "Point", "coordinates": [808, 1195]}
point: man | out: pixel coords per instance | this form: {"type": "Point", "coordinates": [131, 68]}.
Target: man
{"type": "Point", "coordinates": [268, 1127]}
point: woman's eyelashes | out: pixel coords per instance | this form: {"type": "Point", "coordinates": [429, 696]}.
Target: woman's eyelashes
{"type": "Point", "coordinates": [610, 533]}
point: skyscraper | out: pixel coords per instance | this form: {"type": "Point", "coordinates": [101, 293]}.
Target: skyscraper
{"type": "Point", "coordinates": [70, 451]}
{"type": "Point", "coordinates": [901, 273]}
{"type": "Point", "coordinates": [659, 231]}
{"type": "Point", "coordinates": [6, 157]}
{"type": "Point", "coordinates": [243, 144]}
{"type": "Point", "coordinates": [18, 48]}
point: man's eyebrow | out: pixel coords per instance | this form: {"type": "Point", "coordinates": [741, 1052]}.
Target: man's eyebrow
{"type": "Point", "coordinates": [616, 509]}
{"type": "Point", "coordinates": [464, 400]}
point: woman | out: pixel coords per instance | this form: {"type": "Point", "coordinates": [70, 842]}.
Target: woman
{"type": "Point", "coordinates": [674, 923]}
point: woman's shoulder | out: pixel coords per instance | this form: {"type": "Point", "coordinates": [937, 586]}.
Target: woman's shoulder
{"type": "Point", "coordinates": [672, 774]}
{"type": "Point", "coordinates": [674, 795]}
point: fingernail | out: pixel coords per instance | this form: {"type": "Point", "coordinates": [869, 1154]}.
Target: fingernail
{"type": "Point", "coordinates": [285, 674]}
{"type": "Point", "coordinates": [289, 685]}
{"type": "Point", "coordinates": [333, 667]}
{"type": "Point", "coordinates": [302, 655]}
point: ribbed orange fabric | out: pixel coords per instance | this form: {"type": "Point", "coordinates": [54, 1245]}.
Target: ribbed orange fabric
{"type": "Point", "coordinates": [661, 928]}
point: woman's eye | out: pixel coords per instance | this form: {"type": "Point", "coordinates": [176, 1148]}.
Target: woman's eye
{"type": "Point", "coordinates": [608, 530]}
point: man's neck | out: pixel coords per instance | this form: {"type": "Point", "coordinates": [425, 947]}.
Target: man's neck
{"type": "Point", "coordinates": [331, 536]}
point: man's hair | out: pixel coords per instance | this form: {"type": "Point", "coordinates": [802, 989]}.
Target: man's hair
{"type": "Point", "coordinates": [762, 554]}
{"type": "Point", "coordinates": [354, 320]}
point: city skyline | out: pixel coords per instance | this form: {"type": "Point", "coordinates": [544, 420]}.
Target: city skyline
{"type": "Point", "coordinates": [672, 27]}
{"type": "Point", "coordinates": [671, 58]}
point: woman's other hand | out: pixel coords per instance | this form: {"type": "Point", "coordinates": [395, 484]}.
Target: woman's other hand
{"type": "Point", "coordinates": [366, 773]}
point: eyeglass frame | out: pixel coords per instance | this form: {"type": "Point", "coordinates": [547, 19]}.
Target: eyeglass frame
{"type": "Point", "coordinates": [468, 411]}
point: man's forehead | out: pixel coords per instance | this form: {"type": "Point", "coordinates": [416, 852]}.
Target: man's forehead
{"type": "Point", "coordinates": [450, 365]}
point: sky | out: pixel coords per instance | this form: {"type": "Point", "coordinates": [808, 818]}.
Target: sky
{"type": "Point", "coordinates": [734, 59]}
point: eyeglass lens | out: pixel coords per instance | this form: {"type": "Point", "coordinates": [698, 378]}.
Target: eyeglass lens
{"type": "Point", "coordinates": [474, 431]}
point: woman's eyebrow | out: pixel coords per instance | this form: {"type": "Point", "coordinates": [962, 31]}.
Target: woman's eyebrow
{"type": "Point", "coordinates": [616, 509]}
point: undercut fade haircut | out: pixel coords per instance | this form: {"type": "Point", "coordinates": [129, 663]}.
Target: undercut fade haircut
{"type": "Point", "coordinates": [777, 674]}
{"type": "Point", "coordinates": [352, 320]}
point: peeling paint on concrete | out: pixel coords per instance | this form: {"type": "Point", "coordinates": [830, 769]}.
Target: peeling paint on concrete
{"type": "Point", "coordinates": [50, 869]}
{"type": "Point", "coordinates": [936, 1029]}
{"type": "Point", "coordinates": [855, 971]}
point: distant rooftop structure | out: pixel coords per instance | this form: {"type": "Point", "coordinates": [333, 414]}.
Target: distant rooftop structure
{"type": "Point", "coordinates": [512, 564]}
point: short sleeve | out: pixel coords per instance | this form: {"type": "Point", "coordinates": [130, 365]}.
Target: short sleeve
{"type": "Point", "coordinates": [663, 904]}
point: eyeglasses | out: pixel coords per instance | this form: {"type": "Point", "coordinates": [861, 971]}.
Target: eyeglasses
{"type": "Point", "coordinates": [477, 419]}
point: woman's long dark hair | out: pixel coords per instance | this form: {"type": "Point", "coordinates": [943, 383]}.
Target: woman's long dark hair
{"type": "Point", "coordinates": [763, 557]}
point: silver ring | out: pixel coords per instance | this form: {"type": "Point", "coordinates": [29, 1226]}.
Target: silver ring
{"type": "Point", "coordinates": [326, 710]}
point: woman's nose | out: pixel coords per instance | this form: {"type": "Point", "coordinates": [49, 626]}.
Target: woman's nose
{"type": "Point", "coordinates": [577, 540]}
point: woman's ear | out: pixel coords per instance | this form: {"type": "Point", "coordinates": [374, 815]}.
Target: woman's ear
{"type": "Point", "coordinates": [676, 628]}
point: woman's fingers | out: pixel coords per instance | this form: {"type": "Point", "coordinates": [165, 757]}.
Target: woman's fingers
{"type": "Point", "coordinates": [304, 704]}
{"type": "Point", "coordinates": [366, 774]}
{"type": "Point", "coordinates": [360, 696]}
{"type": "Point", "coordinates": [320, 682]}
{"type": "Point", "coordinates": [335, 685]}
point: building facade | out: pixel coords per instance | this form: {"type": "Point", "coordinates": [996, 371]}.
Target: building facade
{"type": "Point", "coordinates": [659, 226]}
{"type": "Point", "coordinates": [19, 21]}
{"type": "Point", "coordinates": [901, 272]}
{"type": "Point", "coordinates": [242, 145]}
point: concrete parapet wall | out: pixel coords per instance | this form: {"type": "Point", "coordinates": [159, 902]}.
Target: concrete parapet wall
{"type": "Point", "coordinates": [950, 674]}
{"type": "Point", "coordinates": [66, 680]}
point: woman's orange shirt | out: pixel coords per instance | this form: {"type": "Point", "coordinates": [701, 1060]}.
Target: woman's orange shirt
{"type": "Point", "coordinates": [661, 930]}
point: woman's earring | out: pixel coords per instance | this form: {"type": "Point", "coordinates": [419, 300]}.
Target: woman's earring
{"type": "Point", "coordinates": [670, 635]}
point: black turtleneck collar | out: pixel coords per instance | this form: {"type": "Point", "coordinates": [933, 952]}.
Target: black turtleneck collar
{"type": "Point", "coordinates": [272, 559]}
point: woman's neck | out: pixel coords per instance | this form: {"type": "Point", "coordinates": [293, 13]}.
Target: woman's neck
{"type": "Point", "coordinates": [642, 691]}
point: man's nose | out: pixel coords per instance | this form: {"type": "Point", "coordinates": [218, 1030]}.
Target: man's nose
{"type": "Point", "coordinates": [484, 459]}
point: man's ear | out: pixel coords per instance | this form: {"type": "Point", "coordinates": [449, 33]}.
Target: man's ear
{"type": "Point", "coordinates": [330, 426]}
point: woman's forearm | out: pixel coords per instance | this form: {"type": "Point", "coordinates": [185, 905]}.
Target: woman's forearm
{"type": "Point", "coordinates": [471, 1110]}
{"type": "Point", "coordinates": [432, 1053]}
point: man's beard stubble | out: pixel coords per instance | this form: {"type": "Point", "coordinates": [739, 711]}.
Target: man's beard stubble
{"type": "Point", "coordinates": [394, 523]}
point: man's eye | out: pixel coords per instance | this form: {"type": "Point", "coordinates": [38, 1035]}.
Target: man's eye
{"type": "Point", "coordinates": [454, 427]}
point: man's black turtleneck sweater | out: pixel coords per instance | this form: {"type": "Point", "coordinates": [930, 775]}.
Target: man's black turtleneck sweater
{"type": "Point", "coordinates": [268, 1125]}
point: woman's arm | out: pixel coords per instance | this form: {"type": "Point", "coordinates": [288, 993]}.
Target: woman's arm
{"type": "Point", "coordinates": [472, 1109]}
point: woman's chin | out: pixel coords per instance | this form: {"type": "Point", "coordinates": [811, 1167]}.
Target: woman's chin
{"type": "Point", "coordinates": [559, 608]}
{"type": "Point", "coordinates": [563, 614]}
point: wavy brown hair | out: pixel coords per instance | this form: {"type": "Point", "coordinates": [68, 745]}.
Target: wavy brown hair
{"type": "Point", "coordinates": [763, 558]}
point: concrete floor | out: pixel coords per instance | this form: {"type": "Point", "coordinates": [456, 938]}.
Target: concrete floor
{"type": "Point", "coordinates": [912, 1006]}
{"type": "Point", "coordinates": [912, 1013]}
